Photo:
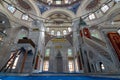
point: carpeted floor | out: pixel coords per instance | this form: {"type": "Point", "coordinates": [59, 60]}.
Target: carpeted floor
{"type": "Point", "coordinates": [53, 78]}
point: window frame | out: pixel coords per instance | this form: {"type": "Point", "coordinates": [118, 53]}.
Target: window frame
{"type": "Point", "coordinates": [66, 1]}
{"type": "Point", "coordinates": [24, 18]}
{"type": "Point", "coordinates": [58, 34]}
{"type": "Point", "coordinates": [46, 65]}
{"type": "Point", "coordinates": [69, 29]}
{"type": "Point", "coordinates": [71, 65]}
{"type": "Point", "coordinates": [10, 6]}
{"type": "Point", "coordinates": [58, 2]}
{"type": "Point", "coordinates": [103, 8]}
{"type": "Point", "coordinates": [47, 55]}
{"type": "Point", "coordinates": [64, 32]}
{"type": "Point", "coordinates": [91, 16]}
{"type": "Point", "coordinates": [52, 32]}
{"type": "Point", "coordinates": [69, 51]}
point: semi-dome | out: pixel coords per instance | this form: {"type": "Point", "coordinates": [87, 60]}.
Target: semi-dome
{"type": "Point", "coordinates": [59, 3]}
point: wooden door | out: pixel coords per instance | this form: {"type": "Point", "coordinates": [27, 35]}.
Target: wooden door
{"type": "Point", "coordinates": [114, 38]}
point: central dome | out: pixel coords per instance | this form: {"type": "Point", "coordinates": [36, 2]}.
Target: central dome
{"type": "Point", "coordinates": [59, 3]}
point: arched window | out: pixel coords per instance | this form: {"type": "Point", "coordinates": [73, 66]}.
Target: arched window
{"type": "Point", "coordinates": [66, 1]}
{"type": "Point", "coordinates": [58, 2]}
{"type": "Point", "coordinates": [47, 53]}
{"type": "Point", "coordinates": [105, 8]}
{"type": "Point", "coordinates": [50, 1]}
{"type": "Point", "coordinates": [11, 9]}
{"type": "Point", "coordinates": [52, 32]}
{"type": "Point", "coordinates": [64, 32]}
{"type": "Point", "coordinates": [94, 33]}
{"type": "Point", "coordinates": [69, 29]}
{"type": "Point", "coordinates": [25, 17]}
{"type": "Point", "coordinates": [46, 65]}
{"type": "Point", "coordinates": [92, 16]}
{"type": "Point", "coordinates": [69, 52]}
{"type": "Point", "coordinates": [102, 67]}
{"type": "Point", "coordinates": [46, 60]}
{"type": "Point", "coordinates": [47, 29]}
{"type": "Point", "coordinates": [71, 65]}
{"type": "Point", "coordinates": [58, 33]}
{"type": "Point", "coordinates": [22, 33]}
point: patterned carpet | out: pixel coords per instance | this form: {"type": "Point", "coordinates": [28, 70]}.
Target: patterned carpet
{"type": "Point", "coordinates": [53, 78]}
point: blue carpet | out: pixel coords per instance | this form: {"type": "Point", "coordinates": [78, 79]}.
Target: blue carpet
{"type": "Point", "coordinates": [53, 78]}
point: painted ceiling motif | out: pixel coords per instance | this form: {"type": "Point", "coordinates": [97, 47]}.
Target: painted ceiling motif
{"type": "Point", "coordinates": [42, 8]}
{"type": "Point", "coordinates": [72, 6]}
{"type": "Point", "coordinates": [49, 37]}
{"type": "Point", "coordinates": [24, 5]}
{"type": "Point", "coordinates": [58, 3]}
{"type": "Point", "coordinates": [59, 17]}
{"type": "Point", "coordinates": [93, 4]}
